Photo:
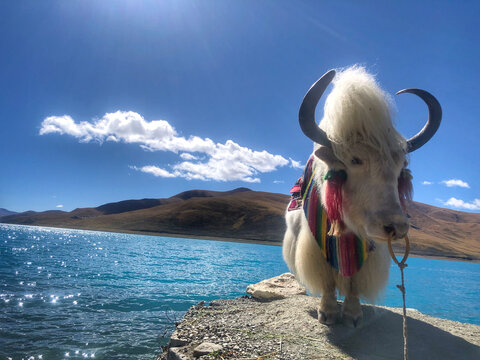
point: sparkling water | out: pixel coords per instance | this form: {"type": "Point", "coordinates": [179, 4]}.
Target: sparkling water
{"type": "Point", "coordinates": [84, 294]}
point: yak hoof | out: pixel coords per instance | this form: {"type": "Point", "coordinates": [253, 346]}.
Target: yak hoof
{"type": "Point", "coordinates": [352, 321]}
{"type": "Point", "coordinates": [327, 318]}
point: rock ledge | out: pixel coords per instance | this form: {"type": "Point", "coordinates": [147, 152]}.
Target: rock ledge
{"type": "Point", "coordinates": [249, 328]}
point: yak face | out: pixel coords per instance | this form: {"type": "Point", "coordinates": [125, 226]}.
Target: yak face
{"type": "Point", "coordinates": [360, 154]}
{"type": "Point", "coordinates": [372, 195]}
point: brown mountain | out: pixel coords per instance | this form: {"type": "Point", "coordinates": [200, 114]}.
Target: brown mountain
{"type": "Point", "coordinates": [443, 232]}
{"type": "Point", "coordinates": [242, 214]}
{"type": "Point", "coordinates": [4, 212]}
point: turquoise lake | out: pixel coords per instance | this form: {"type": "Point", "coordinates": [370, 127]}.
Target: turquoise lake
{"type": "Point", "coordinates": [84, 294]}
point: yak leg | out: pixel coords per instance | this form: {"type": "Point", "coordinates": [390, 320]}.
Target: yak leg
{"type": "Point", "coordinates": [352, 310]}
{"type": "Point", "coordinates": [327, 312]}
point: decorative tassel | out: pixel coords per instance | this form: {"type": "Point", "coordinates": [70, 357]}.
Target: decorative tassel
{"type": "Point", "coordinates": [333, 197]}
{"type": "Point", "coordinates": [336, 228]}
{"type": "Point", "coordinates": [342, 249]}
{"type": "Point", "coordinates": [348, 256]}
{"type": "Point", "coordinates": [405, 188]}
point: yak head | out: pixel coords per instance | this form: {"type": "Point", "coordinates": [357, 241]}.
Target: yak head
{"type": "Point", "coordinates": [360, 156]}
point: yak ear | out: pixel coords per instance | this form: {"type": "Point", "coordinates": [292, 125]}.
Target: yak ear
{"type": "Point", "coordinates": [326, 155]}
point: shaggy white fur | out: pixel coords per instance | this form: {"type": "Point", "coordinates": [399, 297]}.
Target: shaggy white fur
{"type": "Point", "coordinates": [357, 119]}
{"type": "Point", "coordinates": [304, 258]}
{"type": "Point", "coordinates": [358, 111]}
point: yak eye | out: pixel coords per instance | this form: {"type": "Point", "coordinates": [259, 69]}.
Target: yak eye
{"type": "Point", "coordinates": [356, 161]}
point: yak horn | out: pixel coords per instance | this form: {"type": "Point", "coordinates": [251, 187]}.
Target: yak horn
{"type": "Point", "coordinates": [306, 115]}
{"type": "Point", "coordinates": [433, 122]}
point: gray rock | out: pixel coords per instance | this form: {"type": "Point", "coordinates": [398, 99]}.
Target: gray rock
{"type": "Point", "coordinates": [176, 340]}
{"type": "Point", "coordinates": [278, 287]}
{"type": "Point", "coordinates": [175, 354]}
{"type": "Point", "coordinates": [206, 348]}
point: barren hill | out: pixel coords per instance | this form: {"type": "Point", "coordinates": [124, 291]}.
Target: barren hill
{"type": "Point", "coordinates": [4, 212]}
{"type": "Point", "coordinates": [243, 214]}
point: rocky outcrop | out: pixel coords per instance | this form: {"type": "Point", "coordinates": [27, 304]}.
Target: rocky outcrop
{"type": "Point", "coordinates": [279, 287]}
{"type": "Point", "coordinates": [287, 328]}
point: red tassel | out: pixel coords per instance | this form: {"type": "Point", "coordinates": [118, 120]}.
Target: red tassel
{"type": "Point", "coordinates": [348, 256]}
{"type": "Point", "coordinates": [333, 195]}
{"type": "Point", "coordinates": [405, 188]}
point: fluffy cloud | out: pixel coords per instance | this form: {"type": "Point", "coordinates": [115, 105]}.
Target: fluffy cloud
{"type": "Point", "coordinates": [187, 156]}
{"type": "Point", "coordinates": [427, 183]}
{"type": "Point", "coordinates": [460, 204]}
{"type": "Point", "coordinates": [201, 171]}
{"type": "Point", "coordinates": [59, 206]}
{"type": "Point", "coordinates": [125, 126]}
{"type": "Point", "coordinates": [155, 171]}
{"type": "Point", "coordinates": [235, 164]}
{"type": "Point", "coordinates": [455, 182]}
{"type": "Point", "coordinates": [221, 162]}
{"type": "Point", "coordinates": [296, 164]}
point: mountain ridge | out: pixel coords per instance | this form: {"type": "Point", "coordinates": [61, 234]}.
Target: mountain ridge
{"type": "Point", "coordinates": [244, 214]}
{"type": "Point", "coordinates": [4, 212]}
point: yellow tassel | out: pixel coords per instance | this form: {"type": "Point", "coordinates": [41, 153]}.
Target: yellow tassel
{"type": "Point", "coordinates": [336, 228]}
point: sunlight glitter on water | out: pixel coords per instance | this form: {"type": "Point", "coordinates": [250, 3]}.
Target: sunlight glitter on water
{"type": "Point", "coordinates": [113, 295]}
{"type": "Point", "coordinates": [128, 285]}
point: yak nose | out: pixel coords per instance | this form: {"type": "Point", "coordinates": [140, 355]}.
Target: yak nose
{"type": "Point", "coordinates": [397, 230]}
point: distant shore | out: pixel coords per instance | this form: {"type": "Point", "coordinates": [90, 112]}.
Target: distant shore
{"type": "Point", "coordinates": [275, 243]}
{"type": "Point", "coordinates": [247, 241]}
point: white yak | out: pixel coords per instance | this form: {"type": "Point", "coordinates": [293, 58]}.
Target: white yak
{"type": "Point", "coordinates": [351, 197]}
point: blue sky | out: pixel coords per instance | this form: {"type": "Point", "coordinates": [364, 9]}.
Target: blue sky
{"type": "Point", "coordinates": [110, 100]}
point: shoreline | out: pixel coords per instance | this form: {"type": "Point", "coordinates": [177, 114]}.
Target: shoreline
{"type": "Point", "coordinates": [240, 240]}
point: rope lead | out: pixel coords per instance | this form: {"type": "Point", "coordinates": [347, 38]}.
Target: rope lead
{"type": "Point", "coordinates": [402, 265]}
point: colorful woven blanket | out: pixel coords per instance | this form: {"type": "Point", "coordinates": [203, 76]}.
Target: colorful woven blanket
{"type": "Point", "coordinates": [347, 252]}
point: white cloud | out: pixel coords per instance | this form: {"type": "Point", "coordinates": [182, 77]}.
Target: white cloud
{"type": "Point", "coordinates": [226, 162]}
{"type": "Point", "coordinates": [296, 164]}
{"type": "Point", "coordinates": [278, 181]}
{"type": "Point", "coordinates": [218, 169]}
{"type": "Point", "coordinates": [221, 162]}
{"type": "Point", "coordinates": [155, 171]}
{"type": "Point", "coordinates": [203, 171]}
{"type": "Point", "coordinates": [460, 204]}
{"type": "Point", "coordinates": [187, 156]}
{"type": "Point", "coordinates": [125, 126]}
{"type": "Point", "coordinates": [59, 206]}
{"type": "Point", "coordinates": [455, 182]}
{"type": "Point", "coordinates": [427, 183]}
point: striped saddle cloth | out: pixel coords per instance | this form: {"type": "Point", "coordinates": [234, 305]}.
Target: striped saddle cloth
{"type": "Point", "coordinates": [345, 253]}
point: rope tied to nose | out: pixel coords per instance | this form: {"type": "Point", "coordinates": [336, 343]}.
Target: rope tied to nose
{"type": "Point", "coordinates": [402, 265]}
